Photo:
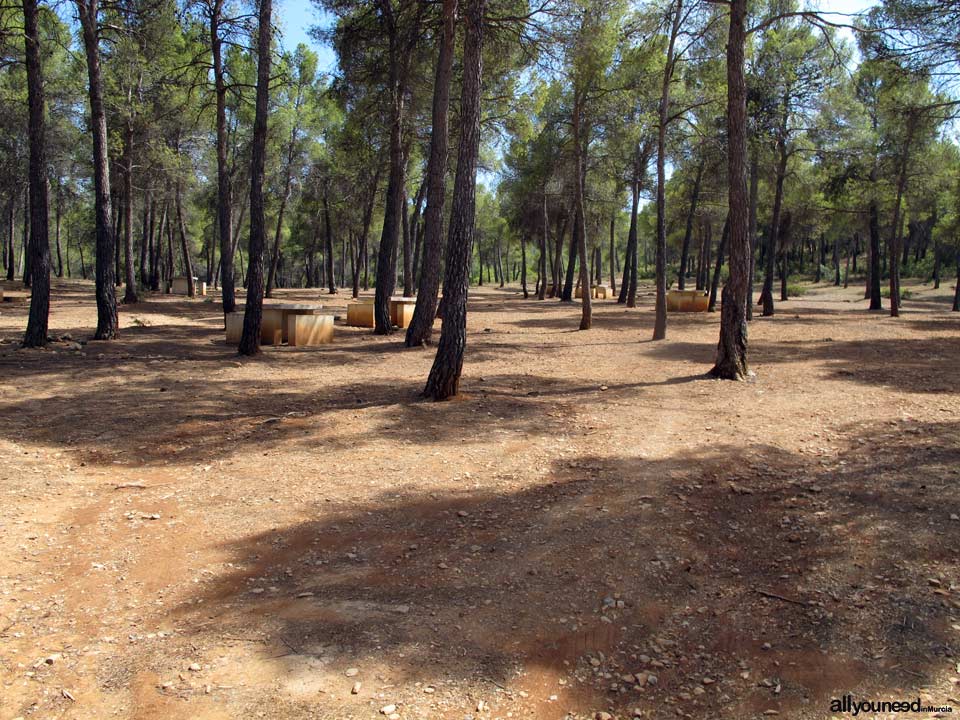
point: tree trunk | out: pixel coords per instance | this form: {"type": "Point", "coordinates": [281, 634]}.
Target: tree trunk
{"type": "Point", "coordinates": [184, 244]}
{"type": "Point", "coordinates": [752, 230]}
{"type": "Point", "coordinates": [688, 233]}
{"type": "Point", "coordinates": [107, 325]}
{"type": "Point", "coordinates": [895, 237]}
{"type": "Point", "coordinates": [253, 313]}
{"type": "Point", "coordinates": [328, 251]}
{"type": "Point", "coordinates": [567, 294]}
{"type": "Point", "coordinates": [10, 253]}
{"type": "Point", "coordinates": [731, 362]}
{"type": "Point", "coordinates": [873, 279]}
{"type": "Point", "coordinates": [224, 189]}
{"type": "Point", "coordinates": [544, 244]}
{"type": "Point", "coordinates": [36, 333]}
{"type": "Point", "coordinates": [660, 323]}
{"type": "Point", "coordinates": [444, 379]}
{"type": "Point", "coordinates": [773, 237]}
{"type": "Point", "coordinates": [146, 241]}
{"type": "Point", "coordinates": [784, 233]}
{"type": "Point", "coordinates": [393, 206]}
{"type": "Point", "coordinates": [523, 267]}
{"type": "Point", "coordinates": [58, 218]}
{"type": "Point", "coordinates": [129, 271]}
{"type": "Point", "coordinates": [715, 282]}
{"type": "Point", "coordinates": [586, 306]}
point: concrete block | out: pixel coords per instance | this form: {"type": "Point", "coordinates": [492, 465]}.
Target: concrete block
{"type": "Point", "coordinates": [309, 330]}
{"type": "Point", "coordinates": [360, 314]}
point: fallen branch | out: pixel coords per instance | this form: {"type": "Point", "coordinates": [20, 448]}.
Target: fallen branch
{"type": "Point", "coordinates": [774, 596]}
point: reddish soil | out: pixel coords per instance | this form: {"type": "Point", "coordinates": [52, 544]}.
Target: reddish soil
{"type": "Point", "coordinates": [594, 527]}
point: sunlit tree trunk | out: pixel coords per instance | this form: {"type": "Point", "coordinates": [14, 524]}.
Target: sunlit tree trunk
{"type": "Point", "coordinates": [731, 362]}
{"type": "Point", "coordinates": [444, 379]}
{"type": "Point", "coordinates": [253, 313]}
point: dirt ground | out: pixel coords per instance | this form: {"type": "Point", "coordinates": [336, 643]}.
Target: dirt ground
{"type": "Point", "coordinates": [593, 528]}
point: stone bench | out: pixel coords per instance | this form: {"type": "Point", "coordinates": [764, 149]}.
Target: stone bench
{"type": "Point", "coordinates": [309, 330]}
{"type": "Point", "coordinates": [687, 301]}
{"type": "Point", "coordinates": [13, 295]}
{"type": "Point", "coordinates": [274, 322]}
{"type": "Point", "coordinates": [180, 286]}
{"type": "Point", "coordinates": [234, 323]}
{"type": "Point", "coordinates": [360, 314]}
{"type": "Point", "coordinates": [401, 311]}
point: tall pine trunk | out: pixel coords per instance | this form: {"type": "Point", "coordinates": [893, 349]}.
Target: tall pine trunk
{"type": "Point", "coordinates": [660, 322]}
{"type": "Point", "coordinates": [731, 362]}
{"type": "Point", "coordinates": [420, 330]}
{"type": "Point", "coordinates": [36, 333]}
{"type": "Point", "coordinates": [107, 324]}
{"type": "Point", "coordinates": [129, 271]}
{"type": "Point", "coordinates": [444, 379]}
{"type": "Point", "coordinates": [253, 313]}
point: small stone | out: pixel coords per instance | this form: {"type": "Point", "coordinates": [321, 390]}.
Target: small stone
{"type": "Point", "coordinates": [195, 667]}
{"type": "Point", "coordinates": [934, 582]}
{"type": "Point", "coordinates": [603, 716]}
{"type": "Point", "coordinates": [429, 689]}
{"type": "Point", "coordinates": [954, 517]}
{"type": "Point", "coordinates": [708, 681]}
{"type": "Point", "coordinates": [355, 690]}
{"type": "Point", "coordinates": [388, 709]}
{"type": "Point", "coordinates": [462, 513]}
{"type": "Point", "coordinates": [652, 679]}
{"type": "Point", "coordinates": [481, 705]}
{"type": "Point", "coordinates": [766, 646]}
{"type": "Point", "coordinates": [351, 672]}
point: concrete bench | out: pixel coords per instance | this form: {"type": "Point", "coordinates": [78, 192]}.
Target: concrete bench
{"type": "Point", "coordinates": [309, 330]}
{"type": "Point", "coordinates": [180, 286]}
{"type": "Point", "coordinates": [602, 292]}
{"type": "Point", "coordinates": [687, 301]}
{"type": "Point", "coordinates": [234, 323]}
{"type": "Point", "coordinates": [274, 322]}
{"type": "Point", "coordinates": [13, 295]}
{"type": "Point", "coordinates": [360, 314]}
{"type": "Point", "coordinates": [401, 311]}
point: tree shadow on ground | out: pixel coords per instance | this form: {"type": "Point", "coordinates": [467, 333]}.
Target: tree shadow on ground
{"type": "Point", "coordinates": [784, 579]}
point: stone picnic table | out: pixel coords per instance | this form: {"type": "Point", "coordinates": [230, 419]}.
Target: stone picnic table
{"type": "Point", "coordinates": [293, 323]}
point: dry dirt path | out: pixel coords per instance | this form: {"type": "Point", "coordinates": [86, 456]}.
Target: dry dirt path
{"type": "Point", "coordinates": [593, 528]}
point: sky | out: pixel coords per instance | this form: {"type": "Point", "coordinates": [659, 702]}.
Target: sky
{"type": "Point", "coordinates": [296, 17]}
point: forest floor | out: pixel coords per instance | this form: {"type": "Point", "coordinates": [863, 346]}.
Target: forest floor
{"type": "Point", "coordinates": [594, 527]}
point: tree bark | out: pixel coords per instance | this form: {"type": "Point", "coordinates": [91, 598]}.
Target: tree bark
{"type": "Point", "coordinates": [444, 379]}
{"type": "Point", "coordinates": [715, 282]}
{"type": "Point", "coordinates": [544, 244]}
{"type": "Point", "coordinates": [58, 219]}
{"type": "Point", "coordinates": [107, 324]}
{"type": "Point", "coordinates": [184, 244]}
{"type": "Point", "coordinates": [895, 237]}
{"type": "Point", "coordinates": [773, 237]}
{"type": "Point", "coordinates": [328, 251]}
{"type": "Point", "coordinates": [253, 312]}
{"type": "Point", "coordinates": [691, 214]}
{"type": "Point", "coordinates": [731, 362]}
{"type": "Point", "coordinates": [37, 321]}
{"type": "Point", "coordinates": [393, 206]}
{"type": "Point", "coordinates": [660, 323]}
{"type": "Point", "coordinates": [130, 274]}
